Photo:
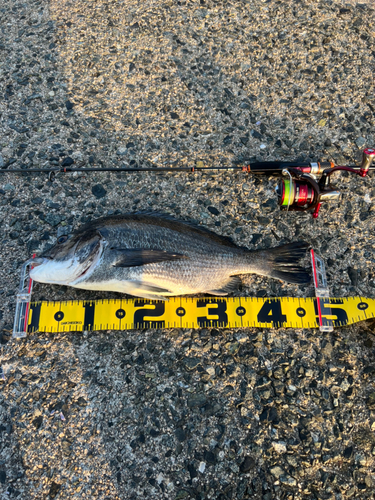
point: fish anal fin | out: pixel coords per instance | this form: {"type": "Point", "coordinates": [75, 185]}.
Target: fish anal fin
{"type": "Point", "coordinates": [232, 284]}
{"type": "Point", "coordinates": [134, 257]}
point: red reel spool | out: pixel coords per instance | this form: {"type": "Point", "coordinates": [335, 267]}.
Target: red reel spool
{"type": "Point", "coordinates": [294, 194]}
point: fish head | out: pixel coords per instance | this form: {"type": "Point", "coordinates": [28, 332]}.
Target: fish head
{"type": "Point", "coordinates": [71, 259]}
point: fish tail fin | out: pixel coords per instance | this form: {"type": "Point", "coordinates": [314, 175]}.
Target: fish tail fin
{"type": "Point", "coordinates": [282, 263]}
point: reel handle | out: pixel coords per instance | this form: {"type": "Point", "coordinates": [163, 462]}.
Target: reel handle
{"type": "Point", "coordinates": [367, 158]}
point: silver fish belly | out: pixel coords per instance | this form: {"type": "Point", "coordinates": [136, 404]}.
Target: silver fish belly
{"type": "Point", "coordinates": [157, 257]}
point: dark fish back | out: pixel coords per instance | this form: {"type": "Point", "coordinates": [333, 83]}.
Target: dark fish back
{"type": "Point", "coordinates": [113, 223]}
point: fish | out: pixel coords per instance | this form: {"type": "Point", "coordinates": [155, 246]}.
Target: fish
{"type": "Point", "coordinates": [156, 257]}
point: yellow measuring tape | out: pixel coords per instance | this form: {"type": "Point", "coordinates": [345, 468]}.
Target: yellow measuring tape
{"type": "Point", "coordinates": [182, 312]}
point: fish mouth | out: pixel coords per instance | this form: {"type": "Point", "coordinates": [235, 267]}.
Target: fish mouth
{"type": "Point", "coordinates": [36, 261]}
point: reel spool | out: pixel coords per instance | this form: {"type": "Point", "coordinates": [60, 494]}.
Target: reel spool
{"type": "Point", "coordinates": [305, 193]}
{"type": "Point", "coordinates": [294, 194]}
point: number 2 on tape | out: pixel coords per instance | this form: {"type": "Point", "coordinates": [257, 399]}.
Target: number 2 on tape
{"type": "Point", "coordinates": [140, 314]}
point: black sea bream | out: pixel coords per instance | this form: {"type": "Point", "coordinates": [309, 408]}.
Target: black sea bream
{"type": "Point", "coordinates": [155, 257]}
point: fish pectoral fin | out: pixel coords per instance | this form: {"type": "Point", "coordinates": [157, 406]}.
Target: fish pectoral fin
{"type": "Point", "coordinates": [151, 296]}
{"type": "Point", "coordinates": [146, 290]}
{"type": "Point", "coordinates": [133, 257]}
{"type": "Point", "coordinates": [232, 284]}
{"type": "Point", "coordinates": [220, 293]}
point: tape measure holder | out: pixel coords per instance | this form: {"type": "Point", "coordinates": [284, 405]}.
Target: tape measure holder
{"type": "Point", "coordinates": [321, 293]}
{"type": "Point", "coordinates": [23, 300]}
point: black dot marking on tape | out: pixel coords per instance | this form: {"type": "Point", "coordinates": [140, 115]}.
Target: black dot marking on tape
{"type": "Point", "coordinates": [362, 306]}
{"type": "Point", "coordinates": [180, 311]}
{"type": "Point", "coordinates": [240, 311]}
{"type": "Point", "coordinates": [59, 316]}
{"type": "Point", "coordinates": [301, 312]}
{"type": "Point", "coordinates": [120, 313]}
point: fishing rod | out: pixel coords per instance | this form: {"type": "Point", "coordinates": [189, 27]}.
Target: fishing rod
{"type": "Point", "coordinates": [303, 186]}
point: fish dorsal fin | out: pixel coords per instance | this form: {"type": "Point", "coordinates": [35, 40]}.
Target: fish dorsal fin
{"type": "Point", "coordinates": [133, 257]}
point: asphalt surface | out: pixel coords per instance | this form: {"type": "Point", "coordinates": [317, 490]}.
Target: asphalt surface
{"type": "Point", "coordinates": [187, 414]}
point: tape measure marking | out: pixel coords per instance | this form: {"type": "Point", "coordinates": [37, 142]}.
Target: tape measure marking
{"type": "Point", "coordinates": [188, 312]}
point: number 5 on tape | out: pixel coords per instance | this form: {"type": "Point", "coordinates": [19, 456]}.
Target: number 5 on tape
{"type": "Point", "coordinates": [324, 313]}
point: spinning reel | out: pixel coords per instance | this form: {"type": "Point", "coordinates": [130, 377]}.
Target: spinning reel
{"type": "Point", "coordinates": [300, 189]}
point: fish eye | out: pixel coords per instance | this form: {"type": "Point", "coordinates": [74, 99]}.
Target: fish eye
{"type": "Point", "coordinates": [62, 239]}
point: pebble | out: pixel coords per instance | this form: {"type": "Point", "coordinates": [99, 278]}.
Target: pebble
{"type": "Point", "coordinates": [277, 471]}
{"type": "Point", "coordinates": [98, 191]}
{"type": "Point", "coordinates": [280, 447]}
{"type": "Point", "coordinates": [180, 434]}
{"type": "Point", "coordinates": [247, 464]}
{"type": "Point", "coordinates": [290, 481]}
{"type": "Point", "coordinates": [67, 162]}
{"type": "Point", "coordinates": [202, 467]}
{"type": "Point", "coordinates": [371, 400]}
{"type": "Point", "coordinates": [54, 219]}
{"type": "Point", "coordinates": [191, 363]}
{"type": "Point", "coordinates": [69, 105]}
{"type": "Point", "coordinates": [196, 400]}
{"type": "Point", "coordinates": [213, 210]}
{"type": "Point", "coordinates": [360, 141]}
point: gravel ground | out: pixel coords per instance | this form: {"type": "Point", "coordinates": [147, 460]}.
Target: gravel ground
{"type": "Point", "coordinates": [187, 414]}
